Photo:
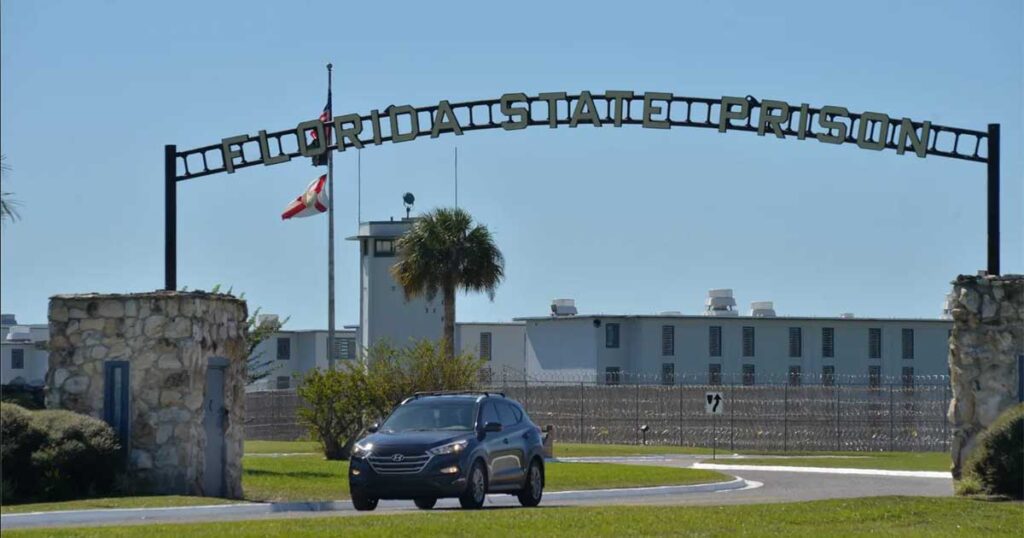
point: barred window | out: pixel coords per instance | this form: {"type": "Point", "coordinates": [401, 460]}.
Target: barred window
{"type": "Point", "coordinates": [828, 342]}
{"type": "Point", "coordinates": [17, 359]}
{"type": "Point", "coordinates": [284, 349]}
{"type": "Point", "coordinates": [714, 374]}
{"type": "Point", "coordinates": [874, 376]}
{"type": "Point", "coordinates": [796, 342]}
{"type": "Point", "coordinates": [611, 335]}
{"type": "Point", "coordinates": [875, 343]}
{"type": "Point", "coordinates": [908, 377]}
{"type": "Point", "coordinates": [668, 340]}
{"type": "Point", "coordinates": [748, 374]}
{"type": "Point", "coordinates": [715, 341]}
{"type": "Point", "coordinates": [612, 375]}
{"type": "Point", "coordinates": [485, 346]}
{"type": "Point", "coordinates": [383, 248]}
{"type": "Point", "coordinates": [344, 347]}
{"type": "Point", "coordinates": [748, 341]}
{"type": "Point", "coordinates": [828, 376]}
{"type": "Point", "coordinates": [283, 382]}
{"type": "Point", "coordinates": [908, 343]}
{"type": "Point", "coordinates": [668, 373]}
{"type": "Point", "coordinates": [794, 376]}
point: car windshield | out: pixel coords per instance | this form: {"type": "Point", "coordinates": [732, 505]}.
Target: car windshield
{"type": "Point", "coordinates": [432, 415]}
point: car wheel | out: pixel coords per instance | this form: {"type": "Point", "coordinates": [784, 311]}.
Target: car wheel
{"type": "Point", "coordinates": [362, 502]}
{"type": "Point", "coordinates": [425, 503]}
{"type": "Point", "coordinates": [534, 490]}
{"type": "Point", "coordinates": [476, 489]}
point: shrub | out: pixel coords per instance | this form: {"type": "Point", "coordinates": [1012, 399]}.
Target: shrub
{"type": "Point", "coordinates": [996, 466]}
{"type": "Point", "coordinates": [19, 438]}
{"type": "Point", "coordinates": [56, 455]}
{"type": "Point", "coordinates": [339, 405]}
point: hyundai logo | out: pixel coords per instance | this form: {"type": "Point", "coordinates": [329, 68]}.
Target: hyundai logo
{"type": "Point", "coordinates": [397, 457]}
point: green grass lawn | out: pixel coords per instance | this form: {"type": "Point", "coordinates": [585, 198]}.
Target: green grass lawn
{"type": "Point", "coordinates": [904, 461]}
{"type": "Point", "coordinates": [312, 478]}
{"type": "Point", "coordinates": [115, 502]}
{"type": "Point", "coordinates": [281, 447]}
{"type": "Point", "coordinates": [890, 516]}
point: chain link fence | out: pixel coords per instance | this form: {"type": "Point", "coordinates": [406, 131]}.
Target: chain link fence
{"type": "Point", "coordinates": [774, 415]}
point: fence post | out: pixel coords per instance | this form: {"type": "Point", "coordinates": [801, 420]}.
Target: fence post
{"type": "Point", "coordinates": [892, 419]}
{"type": "Point", "coordinates": [945, 410]}
{"type": "Point", "coordinates": [839, 432]}
{"type": "Point", "coordinates": [785, 418]}
{"type": "Point", "coordinates": [636, 414]}
{"type": "Point", "coordinates": [582, 439]}
{"type": "Point", "coordinates": [680, 415]}
{"type": "Point", "coordinates": [526, 392]}
{"type": "Point", "coordinates": [732, 416]}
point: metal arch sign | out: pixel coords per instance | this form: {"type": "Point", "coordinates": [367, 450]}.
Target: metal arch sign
{"type": "Point", "coordinates": [653, 110]}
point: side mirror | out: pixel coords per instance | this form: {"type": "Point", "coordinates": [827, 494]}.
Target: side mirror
{"type": "Point", "coordinates": [492, 427]}
{"type": "Point", "coordinates": [373, 428]}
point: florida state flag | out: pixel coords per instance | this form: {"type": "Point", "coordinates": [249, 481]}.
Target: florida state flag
{"type": "Point", "coordinates": [312, 202]}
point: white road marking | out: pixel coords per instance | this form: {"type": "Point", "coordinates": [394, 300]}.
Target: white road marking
{"type": "Point", "coordinates": [822, 470]}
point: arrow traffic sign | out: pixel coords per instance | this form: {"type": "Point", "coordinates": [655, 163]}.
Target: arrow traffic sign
{"type": "Point", "coordinates": [713, 403]}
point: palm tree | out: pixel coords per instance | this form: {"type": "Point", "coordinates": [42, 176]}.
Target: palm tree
{"type": "Point", "coordinates": [444, 252]}
{"type": "Point", "coordinates": [7, 210]}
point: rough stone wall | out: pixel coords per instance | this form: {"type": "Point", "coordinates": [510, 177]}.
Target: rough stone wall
{"type": "Point", "coordinates": [988, 335]}
{"type": "Point", "coordinates": [168, 338]}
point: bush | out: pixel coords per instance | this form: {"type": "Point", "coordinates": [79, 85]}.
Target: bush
{"type": "Point", "coordinates": [56, 455]}
{"type": "Point", "coordinates": [996, 466]}
{"type": "Point", "coordinates": [26, 396]}
{"type": "Point", "coordinates": [339, 405]}
{"type": "Point", "coordinates": [19, 438]}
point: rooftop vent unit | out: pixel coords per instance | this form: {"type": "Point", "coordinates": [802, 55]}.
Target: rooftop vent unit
{"type": "Point", "coordinates": [720, 303]}
{"type": "Point", "coordinates": [264, 319]}
{"type": "Point", "coordinates": [947, 306]}
{"type": "Point", "coordinates": [563, 307]}
{"type": "Point", "coordinates": [762, 309]}
{"type": "Point", "coordinates": [19, 333]}
{"type": "Point", "coordinates": [846, 315]}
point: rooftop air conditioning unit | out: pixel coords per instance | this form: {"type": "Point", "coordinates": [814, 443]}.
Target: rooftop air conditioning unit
{"type": "Point", "coordinates": [720, 302]}
{"type": "Point", "coordinates": [671, 313]}
{"type": "Point", "coordinates": [263, 319]}
{"type": "Point", "coordinates": [846, 315]}
{"type": "Point", "coordinates": [563, 307]}
{"type": "Point", "coordinates": [762, 309]}
{"type": "Point", "coordinates": [947, 306]}
{"type": "Point", "coordinates": [20, 333]}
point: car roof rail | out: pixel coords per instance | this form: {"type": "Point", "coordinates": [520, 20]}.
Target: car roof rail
{"type": "Point", "coordinates": [422, 394]}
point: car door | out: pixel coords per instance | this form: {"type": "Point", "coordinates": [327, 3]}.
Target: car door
{"type": "Point", "coordinates": [496, 446]}
{"type": "Point", "coordinates": [515, 440]}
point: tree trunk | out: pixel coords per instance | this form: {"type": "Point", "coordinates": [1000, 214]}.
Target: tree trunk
{"type": "Point", "coordinates": [449, 322]}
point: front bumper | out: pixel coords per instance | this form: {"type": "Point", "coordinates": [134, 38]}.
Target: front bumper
{"type": "Point", "coordinates": [428, 482]}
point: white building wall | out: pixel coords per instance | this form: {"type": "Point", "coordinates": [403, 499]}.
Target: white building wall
{"type": "Point", "coordinates": [552, 348]}
{"type": "Point", "coordinates": [508, 345]}
{"type": "Point", "coordinates": [308, 351]}
{"type": "Point", "coordinates": [563, 348]}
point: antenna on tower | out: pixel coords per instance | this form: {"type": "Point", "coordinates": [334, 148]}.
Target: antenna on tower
{"type": "Point", "coordinates": [408, 199]}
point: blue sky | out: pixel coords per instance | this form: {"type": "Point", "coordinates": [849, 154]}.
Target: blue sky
{"type": "Point", "coordinates": [624, 220]}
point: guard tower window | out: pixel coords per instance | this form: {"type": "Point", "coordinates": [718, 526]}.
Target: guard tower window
{"type": "Point", "coordinates": [383, 248]}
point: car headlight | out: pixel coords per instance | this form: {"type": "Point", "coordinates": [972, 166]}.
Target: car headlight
{"type": "Point", "coordinates": [450, 448]}
{"type": "Point", "coordinates": [361, 450]}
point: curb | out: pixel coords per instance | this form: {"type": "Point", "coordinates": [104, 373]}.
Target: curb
{"type": "Point", "coordinates": [190, 513]}
{"type": "Point", "coordinates": [823, 470]}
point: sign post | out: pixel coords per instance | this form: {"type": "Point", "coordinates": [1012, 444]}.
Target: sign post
{"type": "Point", "coordinates": [713, 406]}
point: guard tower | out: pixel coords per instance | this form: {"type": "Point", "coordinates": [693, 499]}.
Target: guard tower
{"type": "Point", "coordinates": [383, 311]}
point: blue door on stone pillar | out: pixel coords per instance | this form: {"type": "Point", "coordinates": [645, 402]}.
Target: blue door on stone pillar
{"type": "Point", "coordinates": [214, 423]}
{"type": "Point", "coordinates": [117, 401]}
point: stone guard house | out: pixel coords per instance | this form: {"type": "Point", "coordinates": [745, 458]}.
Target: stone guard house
{"type": "Point", "coordinates": [167, 370]}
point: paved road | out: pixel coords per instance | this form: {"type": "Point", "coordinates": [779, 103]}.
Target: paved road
{"type": "Point", "coordinates": [764, 487]}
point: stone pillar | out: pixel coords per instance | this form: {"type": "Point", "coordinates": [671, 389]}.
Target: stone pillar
{"type": "Point", "coordinates": [988, 335]}
{"type": "Point", "coordinates": [168, 340]}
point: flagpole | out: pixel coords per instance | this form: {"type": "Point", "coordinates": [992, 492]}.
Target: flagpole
{"type": "Point", "coordinates": [330, 234]}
